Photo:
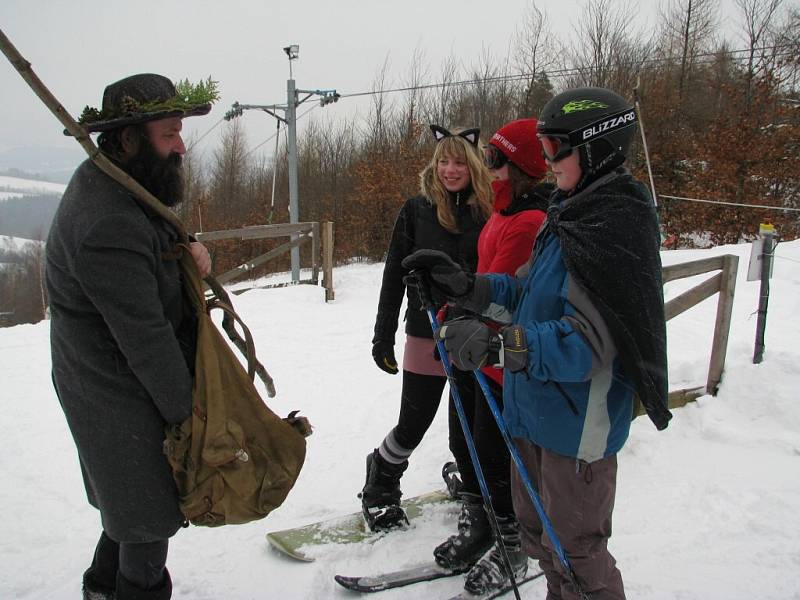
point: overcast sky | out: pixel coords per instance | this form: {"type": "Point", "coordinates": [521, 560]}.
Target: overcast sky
{"type": "Point", "coordinates": [77, 47]}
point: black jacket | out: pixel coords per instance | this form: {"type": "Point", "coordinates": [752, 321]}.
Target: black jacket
{"type": "Point", "coordinates": [416, 228]}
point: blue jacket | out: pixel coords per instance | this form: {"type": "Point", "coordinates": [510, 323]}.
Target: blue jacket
{"type": "Point", "coordinates": [574, 398]}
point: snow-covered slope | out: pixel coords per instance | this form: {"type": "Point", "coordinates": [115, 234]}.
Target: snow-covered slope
{"type": "Point", "coordinates": [15, 244]}
{"type": "Point", "coordinates": [11, 187]}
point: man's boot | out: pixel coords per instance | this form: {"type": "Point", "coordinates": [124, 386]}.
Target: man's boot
{"type": "Point", "coordinates": [490, 572]}
{"type": "Point", "coordinates": [459, 552]}
{"type": "Point", "coordinates": [127, 590]}
{"type": "Point", "coordinates": [96, 591]}
{"type": "Point", "coordinates": [380, 498]}
{"type": "Point", "coordinates": [100, 579]}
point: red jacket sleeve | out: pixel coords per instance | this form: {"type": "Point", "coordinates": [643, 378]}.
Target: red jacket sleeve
{"type": "Point", "coordinates": [517, 242]}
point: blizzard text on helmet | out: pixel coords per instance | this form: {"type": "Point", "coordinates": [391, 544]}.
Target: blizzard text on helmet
{"type": "Point", "coordinates": [615, 122]}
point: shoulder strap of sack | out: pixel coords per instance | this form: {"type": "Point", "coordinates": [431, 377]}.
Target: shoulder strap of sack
{"type": "Point", "coordinates": [220, 299]}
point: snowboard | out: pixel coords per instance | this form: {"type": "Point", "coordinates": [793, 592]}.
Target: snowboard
{"type": "Point", "coordinates": [346, 529]}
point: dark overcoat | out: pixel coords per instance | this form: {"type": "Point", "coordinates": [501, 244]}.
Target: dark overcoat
{"type": "Point", "coordinates": [119, 370]}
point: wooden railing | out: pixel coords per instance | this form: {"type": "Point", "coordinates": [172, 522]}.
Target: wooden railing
{"type": "Point", "coordinates": [723, 283]}
{"type": "Point", "coordinates": [319, 235]}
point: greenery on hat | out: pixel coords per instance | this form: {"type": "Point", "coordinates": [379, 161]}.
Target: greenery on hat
{"type": "Point", "coordinates": [187, 97]}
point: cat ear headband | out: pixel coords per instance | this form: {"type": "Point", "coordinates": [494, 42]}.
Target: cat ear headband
{"type": "Point", "coordinates": [471, 135]}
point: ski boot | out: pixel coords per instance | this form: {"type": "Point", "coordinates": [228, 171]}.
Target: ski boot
{"type": "Point", "coordinates": [452, 479]}
{"type": "Point", "coordinates": [459, 552]}
{"type": "Point", "coordinates": [490, 573]}
{"type": "Point", "coordinates": [380, 498]}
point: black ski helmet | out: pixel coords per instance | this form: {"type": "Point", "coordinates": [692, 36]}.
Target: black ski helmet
{"type": "Point", "coordinates": [600, 123]}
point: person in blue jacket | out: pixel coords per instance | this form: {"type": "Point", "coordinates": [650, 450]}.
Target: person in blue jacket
{"type": "Point", "coordinates": [587, 336]}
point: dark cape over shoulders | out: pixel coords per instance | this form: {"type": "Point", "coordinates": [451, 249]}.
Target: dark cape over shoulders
{"type": "Point", "coordinates": [610, 242]}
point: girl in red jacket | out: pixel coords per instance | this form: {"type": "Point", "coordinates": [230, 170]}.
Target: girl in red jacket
{"type": "Point", "coordinates": [514, 158]}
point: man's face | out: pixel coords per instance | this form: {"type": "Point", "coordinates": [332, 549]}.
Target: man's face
{"type": "Point", "coordinates": [156, 160]}
{"type": "Point", "coordinates": [165, 135]}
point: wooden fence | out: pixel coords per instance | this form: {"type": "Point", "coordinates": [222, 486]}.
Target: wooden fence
{"type": "Point", "coordinates": [319, 235]}
{"type": "Point", "coordinates": [723, 283]}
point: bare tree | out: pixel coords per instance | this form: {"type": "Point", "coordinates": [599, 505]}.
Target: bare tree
{"type": "Point", "coordinates": [607, 52]}
{"type": "Point", "coordinates": [688, 29]}
{"type": "Point", "coordinates": [377, 127]}
{"type": "Point", "coordinates": [758, 16]}
{"type": "Point", "coordinates": [440, 105]}
{"type": "Point", "coordinates": [535, 53]}
{"type": "Point", "coordinates": [410, 111]}
{"type": "Point", "coordinates": [194, 185]}
{"type": "Point", "coordinates": [229, 174]}
{"type": "Point", "coordinates": [491, 98]}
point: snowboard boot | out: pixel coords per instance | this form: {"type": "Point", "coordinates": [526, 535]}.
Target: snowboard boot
{"type": "Point", "coordinates": [452, 479]}
{"type": "Point", "coordinates": [380, 498]}
{"type": "Point", "coordinates": [490, 573]}
{"type": "Point", "coordinates": [459, 552]}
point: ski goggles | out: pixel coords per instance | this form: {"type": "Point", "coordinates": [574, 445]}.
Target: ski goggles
{"type": "Point", "coordinates": [555, 147]}
{"type": "Point", "coordinates": [493, 158]}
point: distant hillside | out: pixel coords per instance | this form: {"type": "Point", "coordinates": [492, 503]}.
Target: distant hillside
{"type": "Point", "coordinates": [12, 249]}
{"type": "Point", "coordinates": [27, 206]}
{"type": "Point", "coordinates": [41, 162]}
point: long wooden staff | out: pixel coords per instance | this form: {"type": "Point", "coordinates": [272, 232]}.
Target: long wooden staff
{"type": "Point", "coordinates": [23, 67]}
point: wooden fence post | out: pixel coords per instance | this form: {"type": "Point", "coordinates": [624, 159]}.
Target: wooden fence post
{"type": "Point", "coordinates": [315, 252]}
{"type": "Point", "coordinates": [722, 327]}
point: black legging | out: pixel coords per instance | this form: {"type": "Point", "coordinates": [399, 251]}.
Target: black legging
{"type": "Point", "coordinates": [141, 563]}
{"type": "Point", "coordinates": [419, 401]}
{"type": "Point", "coordinates": [492, 452]}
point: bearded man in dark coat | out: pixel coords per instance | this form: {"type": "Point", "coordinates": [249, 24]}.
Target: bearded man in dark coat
{"type": "Point", "coordinates": [122, 339]}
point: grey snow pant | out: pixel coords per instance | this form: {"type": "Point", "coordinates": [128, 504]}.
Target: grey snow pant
{"type": "Point", "coordinates": [578, 498]}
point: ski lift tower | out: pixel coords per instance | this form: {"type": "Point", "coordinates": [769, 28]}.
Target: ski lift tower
{"type": "Point", "coordinates": [289, 110]}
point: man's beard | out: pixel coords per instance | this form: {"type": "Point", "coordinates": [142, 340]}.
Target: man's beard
{"type": "Point", "coordinates": [162, 177]}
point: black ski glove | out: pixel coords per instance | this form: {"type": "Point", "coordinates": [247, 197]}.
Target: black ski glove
{"type": "Point", "coordinates": [383, 354]}
{"type": "Point", "coordinates": [448, 280]}
{"type": "Point", "coordinates": [445, 274]}
{"type": "Point", "coordinates": [471, 345]}
{"type": "Point", "coordinates": [469, 342]}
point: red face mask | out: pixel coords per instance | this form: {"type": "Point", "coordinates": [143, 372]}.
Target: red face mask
{"type": "Point", "coordinates": [502, 193]}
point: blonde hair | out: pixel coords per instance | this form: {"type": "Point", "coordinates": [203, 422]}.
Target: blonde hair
{"type": "Point", "coordinates": [479, 201]}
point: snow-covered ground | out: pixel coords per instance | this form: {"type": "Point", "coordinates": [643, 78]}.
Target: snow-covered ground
{"type": "Point", "coordinates": [15, 244]}
{"type": "Point", "coordinates": [14, 187]}
{"type": "Point", "coordinates": [708, 509]}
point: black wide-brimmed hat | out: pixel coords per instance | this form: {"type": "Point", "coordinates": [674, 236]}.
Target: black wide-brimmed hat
{"type": "Point", "coordinates": [148, 97]}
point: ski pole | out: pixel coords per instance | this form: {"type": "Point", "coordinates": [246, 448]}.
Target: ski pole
{"type": "Point", "coordinates": [462, 417]}
{"type": "Point", "coordinates": [523, 473]}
